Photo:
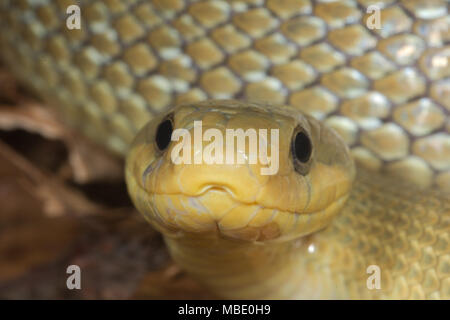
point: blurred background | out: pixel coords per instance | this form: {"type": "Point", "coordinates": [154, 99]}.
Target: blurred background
{"type": "Point", "coordinates": [63, 202]}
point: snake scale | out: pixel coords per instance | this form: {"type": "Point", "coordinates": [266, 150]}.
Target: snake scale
{"type": "Point", "coordinates": [308, 231]}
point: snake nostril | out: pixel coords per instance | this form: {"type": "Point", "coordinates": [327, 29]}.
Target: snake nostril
{"type": "Point", "coordinates": [218, 189]}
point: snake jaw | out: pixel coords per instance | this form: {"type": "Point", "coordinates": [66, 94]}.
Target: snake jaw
{"type": "Point", "coordinates": [236, 201]}
{"type": "Point", "coordinates": [216, 213]}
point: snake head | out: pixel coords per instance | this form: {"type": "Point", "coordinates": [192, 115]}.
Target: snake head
{"type": "Point", "coordinates": [289, 182]}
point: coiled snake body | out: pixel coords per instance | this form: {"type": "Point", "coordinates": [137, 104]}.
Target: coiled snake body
{"type": "Point", "coordinates": [312, 230]}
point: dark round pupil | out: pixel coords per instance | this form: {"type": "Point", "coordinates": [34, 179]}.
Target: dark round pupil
{"type": "Point", "coordinates": [302, 147]}
{"type": "Point", "coordinates": [164, 134]}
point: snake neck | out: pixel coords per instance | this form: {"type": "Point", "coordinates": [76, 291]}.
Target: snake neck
{"type": "Point", "coordinates": [237, 270]}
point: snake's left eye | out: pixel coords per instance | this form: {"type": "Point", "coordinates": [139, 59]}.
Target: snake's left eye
{"type": "Point", "coordinates": [164, 133]}
{"type": "Point", "coordinates": [301, 149]}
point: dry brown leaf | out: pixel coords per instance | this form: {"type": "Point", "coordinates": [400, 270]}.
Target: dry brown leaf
{"type": "Point", "coordinates": [88, 161]}
{"type": "Point", "coordinates": [57, 198]}
{"type": "Point", "coordinates": [30, 245]}
{"type": "Point", "coordinates": [27, 238]}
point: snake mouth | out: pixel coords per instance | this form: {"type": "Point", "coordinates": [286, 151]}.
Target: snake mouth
{"type": "Point", "coordinates": [215, 212]}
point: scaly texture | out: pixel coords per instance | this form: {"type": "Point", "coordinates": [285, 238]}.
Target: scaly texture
{"type": "Point", "coordinates": [386, 92]}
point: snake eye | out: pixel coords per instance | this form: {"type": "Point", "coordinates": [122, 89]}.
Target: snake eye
{"type": "Point", "coordinates": [302, 147]}
{"type": "Point", "coordinates": [301, 151]}
{"type": "Point", "coordinates": [164, 133]}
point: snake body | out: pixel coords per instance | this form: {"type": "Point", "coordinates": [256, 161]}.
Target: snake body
{"type": "Point", "coordinates": [384, 90]}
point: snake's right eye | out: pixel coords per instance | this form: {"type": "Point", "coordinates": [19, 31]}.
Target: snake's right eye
{"type": "Point", "coordinates": [164, 134]}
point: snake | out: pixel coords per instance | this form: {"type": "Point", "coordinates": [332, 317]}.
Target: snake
{"type": "Point", "coordinates": [357, 92]}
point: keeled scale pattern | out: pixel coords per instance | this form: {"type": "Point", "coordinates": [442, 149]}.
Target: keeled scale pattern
{"type": "Point", "coordinates": [406, 236]}
{"type": "Point", "coordinates": [386, 91]}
